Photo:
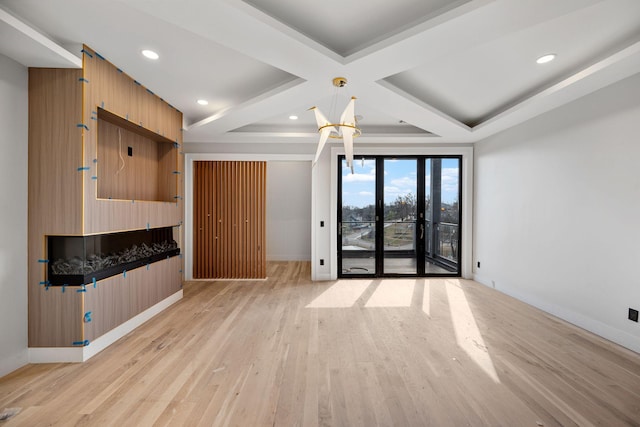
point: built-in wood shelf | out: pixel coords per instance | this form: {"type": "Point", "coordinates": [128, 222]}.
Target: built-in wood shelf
{"type": "Point", "coordinates": [134, 163]}
{"type": "Point", "coordinates": [124, 123]}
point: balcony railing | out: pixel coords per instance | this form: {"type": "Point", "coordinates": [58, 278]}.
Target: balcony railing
{"type": "Point", "coordinates": [360, 236]}
{"type": "Point", "coordinates": [446, 239]}
{"type": "Point", "coordinates": [400, 236]}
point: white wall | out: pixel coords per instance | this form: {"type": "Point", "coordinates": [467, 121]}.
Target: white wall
{"type": "Point", "coordinates": [323, 209]}
{"type": "Point", "coordinates": [288, 211]}
{"type": "Point", "coordinates": [13, 215]}
{"type": "Point", "coordinates": [557, 211]}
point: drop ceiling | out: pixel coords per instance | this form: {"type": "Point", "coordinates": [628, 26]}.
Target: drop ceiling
{"type": "Point", "coordinates": [423, 71]}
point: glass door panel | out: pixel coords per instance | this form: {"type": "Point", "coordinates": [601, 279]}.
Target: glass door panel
{"type": "Point", "coordinates": [442, 215]}
{"type": "Point", "coordinates": [358, 218]}
{"type": "Point", "coordinates": [400, 216]}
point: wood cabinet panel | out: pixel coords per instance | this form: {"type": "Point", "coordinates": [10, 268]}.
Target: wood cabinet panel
{"type": "Point", "coordinates": [55, 197]}
{"type": "Point", "coordinates": [55, 317]}
{"type": "Point", "coordinates": [112, 89]}
{"type": "Point", "coordinates": [132, 103]}
{"type": "Point", "coordinates": [55, 150]}
{"type": "Point", "coordinates": [117, 299]}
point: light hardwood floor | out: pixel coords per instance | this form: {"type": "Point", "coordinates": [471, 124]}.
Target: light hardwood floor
{"type": "Point", "coordinates": [291, 352]}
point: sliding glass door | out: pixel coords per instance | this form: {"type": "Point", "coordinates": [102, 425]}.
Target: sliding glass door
{"type": "Point", "coordinates": [399, 216]}
{"type": "Point", "coordinates": [357, 224]}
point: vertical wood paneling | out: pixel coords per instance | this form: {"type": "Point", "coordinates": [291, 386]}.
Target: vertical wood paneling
{"type": "Point", "coordinates": [217, 212]}
{"type": "Point", "coordinates": [262, 259]}
{"type": "Point", "coordinates": [252, 230]}
{"type": "Point", "coordinates": [205, 227]}
{"type": "Point", "coordinates": [229, 219]}
{"type": "Point", "coordinates": [197, 226]}
{"type": "Point", "coordinates": [197, 220]}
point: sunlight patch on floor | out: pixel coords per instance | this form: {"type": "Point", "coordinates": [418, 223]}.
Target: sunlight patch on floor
{"type": "Point", "coordinates": [467, 333]}
{"type": "Point", "coordinates": [426, 299]}
{"type": "Point", "coordinates": [342, 294]}
{"type": "Point", "coordinates": [392, 293]}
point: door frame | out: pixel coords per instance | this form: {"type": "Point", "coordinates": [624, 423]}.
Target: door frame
{"type": "Point", "coordinates": [189, 158]}
{"type": "Point", "coordinates": [466, 223]}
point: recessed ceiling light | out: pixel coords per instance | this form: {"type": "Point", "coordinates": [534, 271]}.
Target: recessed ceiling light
{"type": "Point", "coordinates": [293, 117]}
{"type": "Point", "coordinates": [150, 54]}
{"type": "Point", "coordinates": [546, 58]}
{"type": "Point", "coordinates": [203, 102]}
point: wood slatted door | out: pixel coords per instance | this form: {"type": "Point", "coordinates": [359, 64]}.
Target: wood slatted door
{"type": "Point", "coordinates": [229, 207]}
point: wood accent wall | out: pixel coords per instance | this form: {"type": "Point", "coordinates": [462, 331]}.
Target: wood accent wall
{"type": "Point", "coordinates": [229, 219]}
{"type": "Point", "coordinates": [64, 166]}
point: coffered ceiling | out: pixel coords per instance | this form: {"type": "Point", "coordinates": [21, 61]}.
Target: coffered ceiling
{"type": "Point", "coordinates": [422, 70]}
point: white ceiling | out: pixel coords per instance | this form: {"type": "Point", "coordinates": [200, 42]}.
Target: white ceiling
{"type": "Point", "coordinates": [423, 70]}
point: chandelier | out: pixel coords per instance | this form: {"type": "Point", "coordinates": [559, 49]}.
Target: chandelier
{"type": "Point", "coordinates": [346, 129]}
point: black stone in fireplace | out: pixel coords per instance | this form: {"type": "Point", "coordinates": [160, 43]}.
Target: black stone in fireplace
{"type": "Point", "coordinates": [77, 260]}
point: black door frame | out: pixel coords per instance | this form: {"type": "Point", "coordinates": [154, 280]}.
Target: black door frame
{"type": "Point", "coordinates": [421, 221]}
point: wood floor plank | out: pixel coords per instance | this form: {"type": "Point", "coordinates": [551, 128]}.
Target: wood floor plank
{"type": "Point", "coordinates": [287, 351]}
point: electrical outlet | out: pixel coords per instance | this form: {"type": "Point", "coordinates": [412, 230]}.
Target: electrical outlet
{"type": "Point", "coordinates": [321, 262]}
{"type": "Point", "coordinates": [633, 315]}
{"type": "Point", "coordinates": [321, 223]}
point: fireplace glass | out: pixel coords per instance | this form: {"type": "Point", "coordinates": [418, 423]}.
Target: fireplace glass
{"type": "Point", "coordinates": [77, 260]}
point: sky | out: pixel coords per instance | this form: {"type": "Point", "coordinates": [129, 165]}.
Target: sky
{"type": "Point", "coordinates": [400, 179]}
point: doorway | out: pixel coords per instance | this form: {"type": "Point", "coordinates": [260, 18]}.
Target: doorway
{"type": "Point", "coordinates": [399, 216]}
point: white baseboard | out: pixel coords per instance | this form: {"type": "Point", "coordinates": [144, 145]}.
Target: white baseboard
{"type": "Point", "coordinates": [230, 279]}
{"type": "Point", "coordinates": [323, 277]}
{"type": "Point", "coordinates": [80, 354]}
{"type": "Point", "coordinates": [289, 257]}
{"type": "Point", "coordinates": [55, 354]}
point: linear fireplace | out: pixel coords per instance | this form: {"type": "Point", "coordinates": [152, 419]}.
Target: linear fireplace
{"type": "Point", "coordinates": [77, 260]}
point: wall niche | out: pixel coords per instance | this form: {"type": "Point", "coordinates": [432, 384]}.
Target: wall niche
{"type": "Point", "coordinates": [134, 163]}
